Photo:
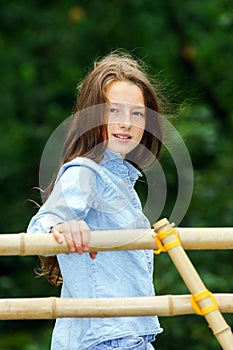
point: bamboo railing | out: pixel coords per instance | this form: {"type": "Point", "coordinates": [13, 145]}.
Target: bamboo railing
{"type": "Point", "coordinates": [202, 300]}
{"type": "Point", "coordinates": [42, 244]}
{"type": "Point", "coordinates": [53, 307]}
{"type": "Point", "coordinates": [163, 238]}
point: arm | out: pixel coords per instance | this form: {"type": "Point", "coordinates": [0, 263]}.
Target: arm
{"type": "Point", "coordinates": [67, 208]}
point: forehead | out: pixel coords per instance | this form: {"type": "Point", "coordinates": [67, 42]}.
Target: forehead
{"type": "Point", "coordinates": [124, 92]}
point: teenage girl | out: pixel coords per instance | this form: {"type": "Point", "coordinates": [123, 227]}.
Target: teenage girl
{"type": "Point", "coordinates": [115, 131]}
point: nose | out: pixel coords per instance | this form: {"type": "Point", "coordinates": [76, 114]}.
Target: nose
{"type": "Point", "coordinates": [125, 120]}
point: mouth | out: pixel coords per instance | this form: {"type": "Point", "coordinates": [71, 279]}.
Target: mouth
{"type": "Point", "coordinates": [122, 137]}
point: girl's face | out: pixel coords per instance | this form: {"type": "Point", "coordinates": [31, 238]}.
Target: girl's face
{"type": "Point", "coordinates": [126, 121]}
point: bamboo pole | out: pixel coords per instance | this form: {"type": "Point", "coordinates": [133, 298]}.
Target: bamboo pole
{"type": "Point", "coordinates": [191, 238]}
{"type": "Point", "coordinates": [194, 283]}
{"type": "Point", "coordinates": [53, 307]}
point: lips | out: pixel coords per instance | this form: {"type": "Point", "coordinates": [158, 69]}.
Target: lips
{"type": "Point", "coordinates": [123, 137]}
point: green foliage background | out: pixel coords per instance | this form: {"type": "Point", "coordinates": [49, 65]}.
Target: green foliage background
{"type": "Point", "coordinates": [46, 48]}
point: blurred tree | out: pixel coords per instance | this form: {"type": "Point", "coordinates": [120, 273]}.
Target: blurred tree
{"type": "Point", "coordinates": [46, 48]}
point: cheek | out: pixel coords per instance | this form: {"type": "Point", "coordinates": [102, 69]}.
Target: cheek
{"type": "Point", "coordinates": [110, 128]}
{"type": "Point", "coordinates": [139, 132]}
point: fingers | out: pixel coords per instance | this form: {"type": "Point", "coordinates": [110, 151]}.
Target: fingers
{"type": "Point", "coordinates": [85, 235]}
{"type": "Point", "coordinates": [77, 236]}
{"type": "Point", "coordinates": [56, 234]}
{"type": "Point", "coordinates": [71, 231]}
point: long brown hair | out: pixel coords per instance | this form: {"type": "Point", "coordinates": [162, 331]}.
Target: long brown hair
{"type": "Point", "coordinates": [87, 134]}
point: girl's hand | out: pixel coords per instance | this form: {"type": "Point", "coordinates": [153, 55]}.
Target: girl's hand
{"type": "Point", "coordinates": [77, 235]}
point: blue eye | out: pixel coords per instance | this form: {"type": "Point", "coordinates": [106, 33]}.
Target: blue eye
{"type": "Point", "coordinates": [138, 114]}
{"type": "Point", "coordinates": [113, 110]}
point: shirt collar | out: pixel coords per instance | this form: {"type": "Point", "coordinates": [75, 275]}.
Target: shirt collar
{"type": "Point", "coordinates": [114, 162]}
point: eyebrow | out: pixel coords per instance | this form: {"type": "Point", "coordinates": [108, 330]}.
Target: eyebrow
{"type": "Point", "coordinates": [129, 104]}
{"type": "Point", "coordinates": [139, 107]}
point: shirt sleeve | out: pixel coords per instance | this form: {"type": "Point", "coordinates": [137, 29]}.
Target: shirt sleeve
{"type": "Point", "coordinates": [71, 199]}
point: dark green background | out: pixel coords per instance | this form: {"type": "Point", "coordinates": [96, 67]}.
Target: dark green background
{"type": "Point", "coordinates": [46, 48]}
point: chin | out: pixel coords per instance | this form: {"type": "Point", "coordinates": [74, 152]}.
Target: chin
{"type": "Point", "coordinates": [123, 149]}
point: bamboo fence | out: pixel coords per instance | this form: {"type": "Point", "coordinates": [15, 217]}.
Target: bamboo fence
{"type": "Point", "coordinates": [53, 307]}
{"type": "Point", "coordinates": [202, 300]}
{"type": "Point", "coordinates": [191, 238]}
{"type": "Point", "coordinates": [163, 238]}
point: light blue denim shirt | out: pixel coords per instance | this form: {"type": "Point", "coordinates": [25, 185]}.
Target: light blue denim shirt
{"type": "Point", "coordinates": [103, 196]}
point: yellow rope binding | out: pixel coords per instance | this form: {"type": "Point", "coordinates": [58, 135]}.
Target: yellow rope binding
{"type": "Point", "coordinates": [165, 247]}
{"type": "Point", "coordinates": [200, 296]}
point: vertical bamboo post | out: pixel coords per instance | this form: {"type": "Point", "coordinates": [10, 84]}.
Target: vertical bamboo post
{"type": "Point", "coordinates": [204, 300]}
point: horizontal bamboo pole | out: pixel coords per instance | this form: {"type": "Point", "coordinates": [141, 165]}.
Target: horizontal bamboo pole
{"type": "Point", "coordinates": [53, 307]}
{"type": "Point", "coordinates": [191, 238]}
